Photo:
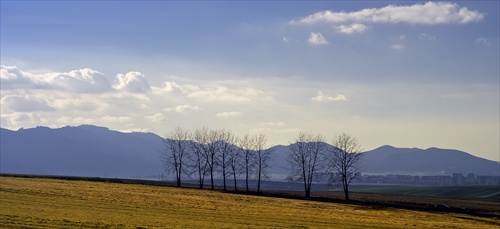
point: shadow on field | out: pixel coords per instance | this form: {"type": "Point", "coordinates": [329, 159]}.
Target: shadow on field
{"type": "Point", "coordinates": [475, 207]}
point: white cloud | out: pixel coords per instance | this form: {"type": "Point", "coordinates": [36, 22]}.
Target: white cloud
{"type": "Point", "coordinates": [425, 36]}
{"type": "Point", "coordinates": [322, 97]}
{"type": "Point", "coordinates": [182, 108]}
{"type": "Point", "coordinates": [397, 46]}
{"type": "Point", "coordinates": [77, 120]}
{"type": "Point", "coordinates": [350, 29]}
{"type": "Point", "coordinates": [24, 103]}
{"type": "Point", "coordinates": [120, 119]}
{"type": "Point", "coordinates": [222, 93]}
{"type": "Point", "coordinates": [482, 41]}
{"type": "Point", "coordinates": [158, 117]}
{"type": "Point", "coordinates": [229, 114]}
{"type": "Point", "coordinates": [286, 39]}
{"type": "Point", "coordinates": [317, 39]}
{"type": "Point", "coordinates": [173, 87]}
{"type": "Point", "coordinates": [273, 123]}
{"type": "Point", "coordinates": [18, 119]}
{"type": "Point", "coordinates": [430, 13]}
{"type": "Point", "coordinates": [83, 80]}
{"type": "Point", "coordinates": [275, 131]}
{"type": "Point", "coordinates": [134, 82]}
{"type": "Point", "coordinates": [12, 77]}
{"type": "Point", "coordinates": [136, 130]}
{"type": "Point", "coordinates": [65, 101]}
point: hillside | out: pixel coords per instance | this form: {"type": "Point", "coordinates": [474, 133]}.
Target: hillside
{"type": "Point", "coordinates": [96, 151]}
{"type": "Point", "coordinates": [80, 151]}
{"type": "Point", "coordinates": [432, 161]}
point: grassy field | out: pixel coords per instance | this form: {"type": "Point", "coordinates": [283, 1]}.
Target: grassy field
{"type": "Point", "coordinates": [51, 203]}
{"type": "Point", "coordinates": [471, 191]}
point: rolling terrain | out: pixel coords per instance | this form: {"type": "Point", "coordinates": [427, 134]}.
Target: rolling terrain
{"type": "Point", "coordinates": [99, 152]}
{"type": "Point", "coordinates": [70, 203]}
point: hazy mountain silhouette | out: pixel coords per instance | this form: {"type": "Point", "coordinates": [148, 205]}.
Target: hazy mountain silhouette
{"type": "Point", "coordinates": [432, 161]}
{"type": "Point", "coordinates": [413, 161]}
{"type": "Point", "coordinates": [80, 151]}
{"type": "Point", "coordinates": [96, 151]}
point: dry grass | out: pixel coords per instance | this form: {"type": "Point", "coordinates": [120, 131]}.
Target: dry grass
{"type": "Point", "coordinates": [49, 203]}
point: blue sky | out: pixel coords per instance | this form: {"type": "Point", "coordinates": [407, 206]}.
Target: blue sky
{"type": "Point", "coordinates": [409, 74]}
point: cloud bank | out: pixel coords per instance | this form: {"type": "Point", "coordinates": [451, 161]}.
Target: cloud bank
{"type": "Point", "coordinates": [430, 13]}
{"type": "Point", "coordinates": [322, 97]}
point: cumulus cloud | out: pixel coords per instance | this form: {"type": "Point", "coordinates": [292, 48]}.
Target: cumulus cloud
{"type": "Point", "coordinates": [222, 93]}
{"type": "Point", "coordinates": [120, 119]}
{"type": "Point", "coordinates": [134, 82]}
{"type": "Point", "coordinates": [273, 123]}
{"type": "Point", "coordinates": [81, 80]}
{"type": "Point", "coordinates": [397, 46]}
{"type": "Point", "coordinates": [158, 117]}
{"type": "Point", "coordinates": [182, 108]}
{"type": "Point", "coordinates": [229, 114]}
{"type": "Point", "coordinates": [25, 103]}
{"type": "Point", "coordinates": [83, 103]}
{"type": "Point", "coordinates": [322, 97]}
{"type": "Point", "coordinates": [317, 39]}
{"type": "Point", "coordinates": [430, 13]}
{"type": "Point", "coordinates": [19, 119]}
{"type": "Point", "coordinates": [12, 77]}
{"type": "Point", "coordinates": [350, 29]}
{"type": "Point", "coordinates": [84, 80]}
{"type": "Point", "coordinates": [275, 131]}
{"type": "Point", "coordinates": [173, 87]}
{"type": "Point", "coordinates": [482, 41]}
{"type": "Point", "coordinates": [76, 120]}
{"type": "Point", "coordinates": [400, 42]}
{"type": "Point", "coordinates": [425, 36]}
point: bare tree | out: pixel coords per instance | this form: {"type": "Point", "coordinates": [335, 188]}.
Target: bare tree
{"type": "Point", "coordinates": [262, 157]}
{"type": "Point", "coordinates": [198, 156]}
{"type": "Point", "coordinates": [234, 162]}
{"type": "Point", "coordinates": [176, 151]}
{"type": "Point", "coordinates": [343, 160]}
{"type": "Point", "coordinates": [246, 145]}
{"type": "Point", "coordinates": [305, 158]}
{"type": "Point", "coordinates": [209, 143]}
{"type": "Point", "coordinates": [226, 157]}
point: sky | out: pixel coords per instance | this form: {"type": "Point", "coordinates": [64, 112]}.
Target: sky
{"type": "Point", "coordinates": [407, 74]}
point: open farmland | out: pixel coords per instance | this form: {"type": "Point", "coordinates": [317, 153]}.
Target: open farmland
{"type": "Point", "coordinates": [51, 203]}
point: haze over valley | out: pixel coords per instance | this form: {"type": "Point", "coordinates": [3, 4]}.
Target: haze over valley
{"type": "Point", "coordinates": [99, 152]}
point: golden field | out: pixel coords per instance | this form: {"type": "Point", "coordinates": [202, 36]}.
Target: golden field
{"type": "Point", "coordinates": [51, 203]}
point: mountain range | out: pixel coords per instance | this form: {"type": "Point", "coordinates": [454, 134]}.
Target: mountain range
{"type": "Point", "coordinates": [99, 152]}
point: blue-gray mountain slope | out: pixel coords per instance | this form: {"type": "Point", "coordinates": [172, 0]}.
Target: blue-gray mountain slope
{"type": "Point", "coordinates": [96, 151]}
{"type": "Point", "coordinates": [80, 151]}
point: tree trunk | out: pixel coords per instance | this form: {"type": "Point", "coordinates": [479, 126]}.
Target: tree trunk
{"type": "Point", "coordinates": [346, 188]}
{"type": "Point", "coordinates": [235, 187]}
{"type": "Point", "coordinates": [212, 178]}
{"type": "Point", "coordinates": [246, 179]}
{"type": "Point", "coordinates": [224, 177]}
{"type": "Point", "coordinates": [258, 182]}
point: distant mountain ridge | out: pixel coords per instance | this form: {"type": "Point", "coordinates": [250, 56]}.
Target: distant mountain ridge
{"type": "Point", "coordinates": [431, 161]}
{"type": "Point", "coordinates": [80, 151]}
{"type": "Point", "coordinates": [99, 152]}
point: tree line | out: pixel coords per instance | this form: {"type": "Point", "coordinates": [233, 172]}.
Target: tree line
{"type": "Point", "coordinates": [204, 153]}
